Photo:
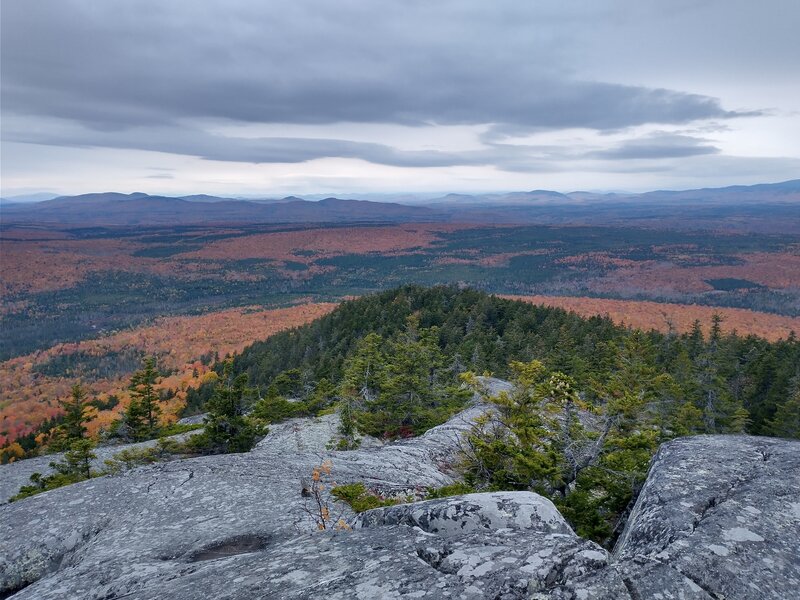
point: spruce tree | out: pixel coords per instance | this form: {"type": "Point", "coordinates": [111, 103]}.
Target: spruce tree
{"type": "Point", "coordinates": [76, 414]}
{"type": "Point", "coordinates": [786, 422]}
{"type": "Point", "coordinates": [227, 429]}
{"type": "Point", "coordinates": [76, 465]}
{"type": "Point", "coordinates": [364, 372]}
{"type": "Point", "coordinates": [143, 411]}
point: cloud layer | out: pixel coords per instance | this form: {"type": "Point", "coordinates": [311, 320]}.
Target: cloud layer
{"type": "Point", "coordinates": [166, 76]}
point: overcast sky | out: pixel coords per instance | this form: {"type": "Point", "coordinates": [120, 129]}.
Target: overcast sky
{"type": "Point", "coordinates": [277, 97]}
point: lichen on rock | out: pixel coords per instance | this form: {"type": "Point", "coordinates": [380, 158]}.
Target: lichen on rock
{"type": "Point", "coordinates": [718, 517]}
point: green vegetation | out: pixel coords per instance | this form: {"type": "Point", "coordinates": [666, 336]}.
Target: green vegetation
{"type": "Point", "coordinates": [591, 400]}
{"type": "Point", "coordinates": [454, 489]}
{"type": "Point", "coordinates": [72, 425]}
{"type": "Point", "coordinates": [140, 421]}
{"type": "Point", "coordinates": [729, 284]}
{"type": "Point", "coordinates": [112, 300]}
{"type": "Point", "coordinates": [399, 387]}
{"type": "Point", "coordinates": [478, 332]}
{"type": "Point", "coordinates": [590, 403]}
{"type": "Point", "coordinates": [359, 498]}
{"type": "Point", "coordinates": [586, 441]}
{"type": "Point", "coordinates": [135, 457]}
{"type": "Point", "coordinates": [786, 422]}
{"type": "Point", "coordinates": [76, 464]}
{"type": "Point", "coordinates": [74, 467]}
{"type": "Point", "coordinates": [227, 429]}
{"type": "Point", "coordinates": [588, 452]}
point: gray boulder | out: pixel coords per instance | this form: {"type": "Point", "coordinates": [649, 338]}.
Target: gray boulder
{"type": "Point", "coordinates": [15, 475]}
{"type": "Point", "coordinates": [717, 518]}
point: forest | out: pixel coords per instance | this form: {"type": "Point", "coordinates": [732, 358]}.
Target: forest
{"type": "Point", "coordinates": [482, 333]}
{"type": "Point", "coordinates": [591, 400]}
{"type": "Point", "coordinates": [98, 280]}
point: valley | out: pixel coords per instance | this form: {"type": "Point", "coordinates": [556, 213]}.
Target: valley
{"type": "Point", "coordinates": [63, 284]}
{"type": "Point", "coordinates": [88, 303]}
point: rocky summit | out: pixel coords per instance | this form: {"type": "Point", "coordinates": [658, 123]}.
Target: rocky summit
{"type": "Point", "coordinates": [718, 517]}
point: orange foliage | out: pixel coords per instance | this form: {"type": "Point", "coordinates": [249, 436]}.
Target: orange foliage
{"type": "Point", "coordinates": [27, 398]}
{"type": "Point", "coordinates": [773, 270]}
{"type": "Point", "coordinates": [56, 264]}
{"type": "Point", "coordinates": [501, 259]}
{"type": "Point", "coordinates": [324, 242]}
{"type": "Point", "coordinates": [659, 316]}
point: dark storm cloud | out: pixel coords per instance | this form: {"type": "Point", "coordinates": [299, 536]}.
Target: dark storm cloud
{"type": "Point", "coordinates": [115, 65]}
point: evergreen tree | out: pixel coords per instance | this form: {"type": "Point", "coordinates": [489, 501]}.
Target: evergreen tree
{"type": "Point", "coordinates": [77, 460]}
{"type": "Point", "coordinates": [786, 422]}
{"type": "Point", "coordinates": [364, 372]}
{"type": "Point", "coordinates": [74, 467]}
{"type": "Point", "coordinates": [722, 411]}
{"type": "Point", "coordinates": [403, 389]}
{"type": "Point", "coordinates": [227, 429]}
{"type": "Point", "coordinates": [141, 416]}
{"type": "Point", "coordinates": [77, 412]}
{"type": "Point", "coordinates": [532, 441]}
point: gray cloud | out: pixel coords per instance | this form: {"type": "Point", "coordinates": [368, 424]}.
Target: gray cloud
{"type": "Point", "coordinates": [152, 75]}
{"type": "Point", "coordinates": [657, 146]}
{"type": "Point", "coordinates": [194, 142]}
{"type": "Point", "coordinates": [114, 65]}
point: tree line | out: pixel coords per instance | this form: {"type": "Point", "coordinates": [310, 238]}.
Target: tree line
{"type": "Point", "coordinates": [591, 400]}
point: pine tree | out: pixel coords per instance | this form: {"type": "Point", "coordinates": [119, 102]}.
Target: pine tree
{"type": "Point", "coordinates": [77, 413]}
{"type": "Point", "coordinates": [143, 411]}
{"type": "Point", "coordinates": [226, 427]}
{"type": "Point", "coordinates": [786, 422]}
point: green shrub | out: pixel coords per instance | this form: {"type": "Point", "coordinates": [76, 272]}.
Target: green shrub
{"type": "Point", "coordinates": [455, 489]}
{"type": "Point", "coordinates": [131, 458]}
{"type": "Point", "coordinates": [74, 467]}
{"type": "Point", "coordinates": [360, 498]}
{"type": "Point", "coordinates": [276, 408]}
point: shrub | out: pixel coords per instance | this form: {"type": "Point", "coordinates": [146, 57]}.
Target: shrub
{"type": "Point", "coordinates": [455, 489]}
{"type": "Point", "coordinates": [360, 498]}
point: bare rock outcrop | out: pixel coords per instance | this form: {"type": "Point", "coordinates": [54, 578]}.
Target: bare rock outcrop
{"type": "Point", "coordinates": [718, 518]}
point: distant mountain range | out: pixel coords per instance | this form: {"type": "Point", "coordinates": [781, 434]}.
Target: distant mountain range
{"type": "Point", "coordinates": [762, 207]}
{"type": "Point", "coordinates": [114, 209]}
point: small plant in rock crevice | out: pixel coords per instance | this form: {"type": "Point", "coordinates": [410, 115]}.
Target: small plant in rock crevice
{"type": "Point", "coordinates": [315, 502]}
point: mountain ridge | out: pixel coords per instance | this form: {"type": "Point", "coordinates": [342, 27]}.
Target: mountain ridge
{"type": "Point", "coordinates": [700, 208]}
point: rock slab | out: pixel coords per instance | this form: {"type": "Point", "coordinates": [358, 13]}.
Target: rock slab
{"type": "Point", "coordinates": [717, 518]}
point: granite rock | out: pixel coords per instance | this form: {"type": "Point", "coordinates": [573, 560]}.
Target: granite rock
{"type": "Point", "coordinates": [16, 474]}
{"type": "Point", "coordinates": [717, 518]}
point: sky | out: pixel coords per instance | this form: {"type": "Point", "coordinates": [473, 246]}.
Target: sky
{"type": "Point", "coordinates": [271, 98]}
